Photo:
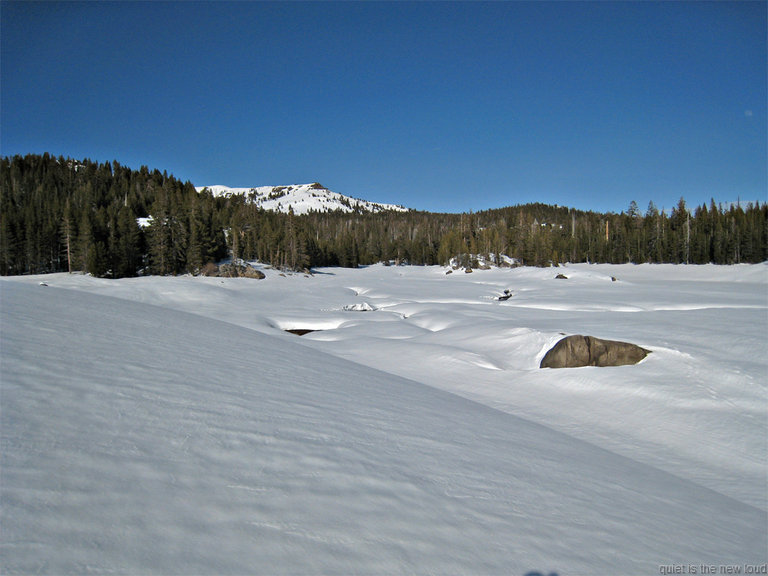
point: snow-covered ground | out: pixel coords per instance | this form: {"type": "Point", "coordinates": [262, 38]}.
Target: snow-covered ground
{"type": "Point", "coordinates": [171, 425]}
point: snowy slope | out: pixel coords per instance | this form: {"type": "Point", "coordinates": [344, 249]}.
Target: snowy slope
{"type": "Point", "coordinates": [696, 408]}
{"type": "Point", "coordinates": [302, 198]}
{"type": "Point", "coordinates": [139, 439]}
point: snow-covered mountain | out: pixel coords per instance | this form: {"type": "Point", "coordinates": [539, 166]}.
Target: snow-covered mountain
{"type": "Point", "coordinates": [303, 198]}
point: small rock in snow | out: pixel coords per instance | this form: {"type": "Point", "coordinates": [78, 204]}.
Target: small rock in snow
{"type": "Point", "coordinates": [362, 307]}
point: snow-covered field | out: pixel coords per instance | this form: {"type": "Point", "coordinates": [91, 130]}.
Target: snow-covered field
{"type": "Point", "coordinates": [172, 426]}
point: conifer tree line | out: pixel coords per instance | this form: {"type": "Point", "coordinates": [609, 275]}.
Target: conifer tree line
{"type": "Point", "coordinates": [58, 214]}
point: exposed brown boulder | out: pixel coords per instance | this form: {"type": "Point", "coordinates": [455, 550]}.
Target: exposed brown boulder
{"type": "Point", "coordinates": [575, 351]}
{"type": "Point", "coordinates": [300, 331]}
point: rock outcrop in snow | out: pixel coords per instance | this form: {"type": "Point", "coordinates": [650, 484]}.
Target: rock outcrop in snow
{"type": "Point", "coordinates": [302, 198]}
{"type": "Point", "coordinates": [577, 351]}
{"type": "Point", "coordinates": [234, 270]}
{"type": "Point", "coordinates": [359, 307]}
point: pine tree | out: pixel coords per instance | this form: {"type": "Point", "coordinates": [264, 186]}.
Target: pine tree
{"type": "Point", "coordinates": [68, 230]}
{"type": "Point", "coordinates": [129, 244]}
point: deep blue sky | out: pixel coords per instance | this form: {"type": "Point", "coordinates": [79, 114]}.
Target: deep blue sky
{"type": "Point", "coordinates": [445, 106]}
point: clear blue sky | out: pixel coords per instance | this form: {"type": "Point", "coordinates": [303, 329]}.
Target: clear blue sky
{"type": "Point", "coordinates": [446, 106]}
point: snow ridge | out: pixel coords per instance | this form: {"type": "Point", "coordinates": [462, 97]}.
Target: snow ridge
{"type": "Point", "coordinates": [302, 198]}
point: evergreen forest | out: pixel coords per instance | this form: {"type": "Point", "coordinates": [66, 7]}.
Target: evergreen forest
{"type": "Point", "coordinates": [58, 214]}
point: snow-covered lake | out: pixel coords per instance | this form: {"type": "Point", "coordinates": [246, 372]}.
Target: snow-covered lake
{"type": "Point", "coordinates": [171, 425]}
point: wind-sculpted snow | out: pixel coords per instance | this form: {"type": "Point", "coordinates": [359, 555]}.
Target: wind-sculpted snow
{"type": "Point", "coordinates": [138, 437]}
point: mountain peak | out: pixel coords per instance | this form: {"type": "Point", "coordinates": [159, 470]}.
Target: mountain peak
{"type": "Point", "coordinates": [302, 198]}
